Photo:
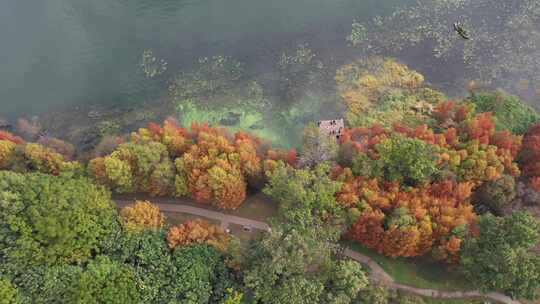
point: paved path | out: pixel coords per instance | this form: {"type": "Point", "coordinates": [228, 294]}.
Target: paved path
{"type": "Point", "coordinates": [225, 219]}
{"type": "Point", "coordinates": [377, 273]}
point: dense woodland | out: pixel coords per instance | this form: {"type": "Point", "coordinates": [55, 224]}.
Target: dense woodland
{"type": "Point", "coordinates": [414, 174]}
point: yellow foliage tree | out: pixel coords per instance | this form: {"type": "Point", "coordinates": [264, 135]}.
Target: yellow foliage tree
{"type": "Point", "coordinates": [362, 83]}
{"type": "Point", "coordinates": [140, 216]}
{"type": "Point", "coordinates": [6, 153]}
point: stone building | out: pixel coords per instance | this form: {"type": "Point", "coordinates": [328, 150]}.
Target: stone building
{"type": "Point", "coordinates": [331, 127]}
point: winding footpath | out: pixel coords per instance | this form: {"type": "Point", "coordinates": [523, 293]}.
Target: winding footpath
{"type": "Point", "coordinates": [377, 274]}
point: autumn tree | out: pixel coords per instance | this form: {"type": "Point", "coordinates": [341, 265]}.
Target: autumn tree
{"type": "Point", "coordinates": [414, 221]}
{"type": "Point", "coordinates": [500, 258]}
{"type": "Point", "coordinates": [529, 157]}
{"type": "Point", "coordinates": [197, 231]}
{"type": "Point", "coordinates": [362, 83]}
{"type": "Point", "coordinates": [143, 166]}
{"type": "Point", "coordinates": [141, 215]}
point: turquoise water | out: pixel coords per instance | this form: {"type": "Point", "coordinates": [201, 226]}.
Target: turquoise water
{"type": "Point", "coordinates": [67, 52]}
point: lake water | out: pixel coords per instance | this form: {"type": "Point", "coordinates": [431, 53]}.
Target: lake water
{"type": "Point", "coordinates": [66, 52]}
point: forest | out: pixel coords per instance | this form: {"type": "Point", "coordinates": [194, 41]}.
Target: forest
{"type": "Point", "coordinates": [415, 175]}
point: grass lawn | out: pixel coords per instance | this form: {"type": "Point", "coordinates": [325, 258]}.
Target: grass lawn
{"type": "Point", "coordinates": [418, 273]}
{"type": "Point", "coordinates": [257, 206]}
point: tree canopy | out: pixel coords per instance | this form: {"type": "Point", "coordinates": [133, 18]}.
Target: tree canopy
{"type": "Point", "coordinates": [500, 258]}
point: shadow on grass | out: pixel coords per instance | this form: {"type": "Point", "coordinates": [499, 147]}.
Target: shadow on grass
{"type": "Point", "coordinates": [417, 272]}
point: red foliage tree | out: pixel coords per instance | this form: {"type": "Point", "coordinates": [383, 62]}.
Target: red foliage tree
{"type": "Point", "coordinates": [5, 135]}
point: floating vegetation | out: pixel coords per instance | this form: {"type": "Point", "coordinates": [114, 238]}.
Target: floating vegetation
{"type": "Point", "coordinates": [211, 76]}
{"type": "Point", "coordinates": [358, 34]}
{"type": "Point", "coordinates": [297, 71]}
{"type": "Point", "coordinates": [151, 65]}
{"type": "Point", "coordinates": [108, 127]}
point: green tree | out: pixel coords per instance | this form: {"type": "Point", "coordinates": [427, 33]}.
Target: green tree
{"type": "Point", "coordinates": [345, 281]}
{"type": "Point", "coordinates": [48, 219]}
{"type": "Point", "coordinates": [293, 263]}
{"type": "Point", "coordinates": [45, 284]}
{"type": "Point", "coordinates": [500, 258]}
{"type": "Point", "coordinates": [106, 281]}
{"type": "Point", "coordinates": [306, 197]}
{"type": "Point", "coordinates": [496, 194]}
{"type": "Point", "coordinates": [407, 160]}
{"type": "Point", "coordinates": [510, 112]}
{"type": "Point", "coordinates": [278, 268]}
{"type": "Point", "coordinates": [375, 294]}
{"type": "Point", "coordinates": [192, 274]}
{"type": "Point", "coordinates": [8, 293]}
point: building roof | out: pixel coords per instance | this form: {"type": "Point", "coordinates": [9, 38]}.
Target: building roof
{"type": "Point", "coordinates": [331, 127]}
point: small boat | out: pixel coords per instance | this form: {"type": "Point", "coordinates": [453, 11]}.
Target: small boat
{"type": "Point", "coordinates": [461, 32]}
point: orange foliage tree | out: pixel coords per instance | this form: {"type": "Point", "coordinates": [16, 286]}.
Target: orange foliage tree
{"type": "Point", "coordinates": [432, 217]}
{"type": "Point", "coordinates": [197, 231]}
{"type": "Point", "coordinates": [206, 163]}
{"type": "Point", "coordinates": [140, 216]}
{"type": "Point", "coordinates": [408, 222]}
{"type": "Point", "coordinates": [529, 157]}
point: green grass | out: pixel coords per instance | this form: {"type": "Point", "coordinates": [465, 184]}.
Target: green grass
{"type": "Point", "coordinates": [416, 272]}
{"type": "Point", "coordinates": [257, 206]}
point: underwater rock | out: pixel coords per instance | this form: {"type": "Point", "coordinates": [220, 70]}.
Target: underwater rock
{"type": "Point", "coordinates": [230, 119]}
{"type": "Point", "coordinates": [94, 115]}
{"type": "Point", "coordinates": [256, 127]}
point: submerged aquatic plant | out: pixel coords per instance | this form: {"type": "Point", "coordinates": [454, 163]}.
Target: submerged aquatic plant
{"type": "Point", "coordinates": [358, 34]}
{"type": "Point", "coordinates": [210, 76]}
{"type": "Point", "coordinates": [505, 36]}
{"type": "Point", "coordinates": [151, 65]}
{"type": "Point", "coordinates": [297, 71]}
